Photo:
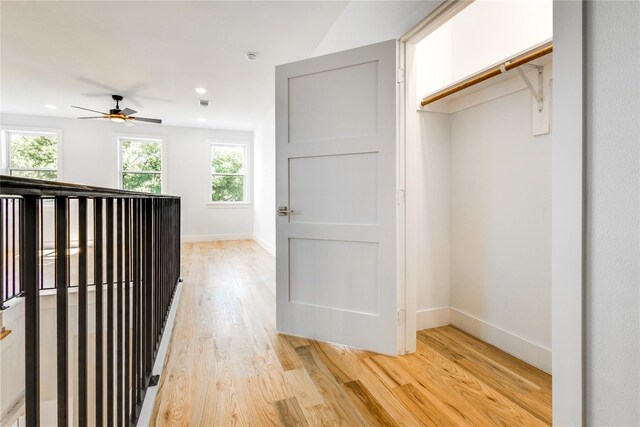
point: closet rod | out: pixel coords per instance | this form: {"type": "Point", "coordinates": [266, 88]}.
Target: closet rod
{"type": "Point", "coordinates": [492, 72]}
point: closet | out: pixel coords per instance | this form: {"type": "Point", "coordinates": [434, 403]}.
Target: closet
{"type": "Point", "coordinates": [478, 176]}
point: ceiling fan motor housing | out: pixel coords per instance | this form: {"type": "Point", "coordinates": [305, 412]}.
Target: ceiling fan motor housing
{"type": "Point", "coordinates": [116, 98]}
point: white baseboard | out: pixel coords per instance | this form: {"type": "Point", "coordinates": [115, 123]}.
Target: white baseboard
{"type": "Point", "coordinates": [525, 350]}
{"type": "Point", "coordinates": [192, 238]}
{"type": "Point", "coordinates": [150, 397]}
{"type": "Point", "coordinates": [432, 318]}
{"type": "Point", "coordinates": [265, 245]}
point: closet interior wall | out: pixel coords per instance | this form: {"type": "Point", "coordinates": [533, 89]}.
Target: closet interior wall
{"type": "Point", "coordinates": [479, 200]}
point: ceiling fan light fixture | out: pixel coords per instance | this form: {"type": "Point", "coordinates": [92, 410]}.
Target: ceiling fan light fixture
{"type": "Point", "coordinates": [116, 119]}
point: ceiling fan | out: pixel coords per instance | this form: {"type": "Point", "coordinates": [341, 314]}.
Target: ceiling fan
{"type": "Point", "coordinates": [117, 115]}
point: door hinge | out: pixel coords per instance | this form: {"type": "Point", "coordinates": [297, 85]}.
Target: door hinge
{"type": "Point", "coordinates": [400, 197]}
{"type": "Point", "coordinates": [402, 317]}
{"type": "Point", "coordinates": [400, 75]}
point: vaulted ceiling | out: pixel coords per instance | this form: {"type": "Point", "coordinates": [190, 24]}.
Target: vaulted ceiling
{"type": "Point", "coordinates": [154, 54]}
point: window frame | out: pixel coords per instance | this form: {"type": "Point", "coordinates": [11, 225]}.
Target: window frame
{"type": "Point", "coordinates": [7, 131]}
{"type": "Point", "coordinates": [143, 138]}
{"type": "Point", "coordinates": [247, 174]}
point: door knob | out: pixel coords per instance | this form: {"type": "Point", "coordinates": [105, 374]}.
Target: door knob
{"type": "Point", "coordinates": [283, 211]}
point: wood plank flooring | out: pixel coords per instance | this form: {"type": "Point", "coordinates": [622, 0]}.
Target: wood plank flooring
{"type": "Point", "coordinates": [226, 365]}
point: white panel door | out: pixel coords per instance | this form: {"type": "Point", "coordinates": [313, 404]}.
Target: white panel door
{"type": "Point", "coordinates": [336, 164]}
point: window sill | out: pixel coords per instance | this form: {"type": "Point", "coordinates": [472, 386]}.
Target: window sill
{"type": "Point", "coordinates": [228, 205]}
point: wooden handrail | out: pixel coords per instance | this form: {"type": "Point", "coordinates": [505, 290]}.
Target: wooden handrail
{"type": "Point", "coordinates": [492, 72]}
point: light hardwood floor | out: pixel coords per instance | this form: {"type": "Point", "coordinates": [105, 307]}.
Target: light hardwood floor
{"type": "Point", "coordinates": [227, 365]}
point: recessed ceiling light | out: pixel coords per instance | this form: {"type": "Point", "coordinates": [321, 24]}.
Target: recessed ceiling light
{"type": "Point", "coordinates": [202, 119]}
{"type": "Point", "coordinates": [200, 90]}
{"type": "Point", "coordinates": [51, 106]}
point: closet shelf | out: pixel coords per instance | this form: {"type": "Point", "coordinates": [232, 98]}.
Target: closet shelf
{"type": "Point", "coordinates": [535, 53]}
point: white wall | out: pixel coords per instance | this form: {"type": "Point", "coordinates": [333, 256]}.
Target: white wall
{"type": "Point", "coordinates": [361, 23]}
{"type": "Point", "coordinates": [367, 22]}
{"type": "Point", "coordinates": [501, 218]}
{"type": "Point", "coordinates": [264, 206]}
{"type": "Point", "coordinates": [479, 224]}
{"type": "Point", "coordinates": [459, 48]}
{"type": "Point", "coordinates": [612, 300]}
{"type": "Point", "coordinates": [428, 217]}
{"type": "Point", "coordinates": [433, 61]}
{"type": "Point", "coordinates": [90, 157]}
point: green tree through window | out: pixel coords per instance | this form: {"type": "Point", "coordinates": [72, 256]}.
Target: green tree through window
{"type": "Point", "coordinates": [33, 155]}
{"type": "Point", "coordinates": [227, 173]}
{"type": "Point", "coordinates": [141, 165]}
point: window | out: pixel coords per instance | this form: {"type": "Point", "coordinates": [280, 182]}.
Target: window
{"type": "Point", "coordinates": [32, 154]}
{"type": "Point", "coordinates": [141, 164]}
{"type": "Point", "coordinates": [228, 173]}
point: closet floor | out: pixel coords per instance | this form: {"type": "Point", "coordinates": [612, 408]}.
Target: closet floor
{"type": "Point", "coordinates": [226, 365]}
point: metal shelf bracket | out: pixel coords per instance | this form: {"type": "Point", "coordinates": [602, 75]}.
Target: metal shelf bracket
{"type": "Point", "coordinates": [537, 94]}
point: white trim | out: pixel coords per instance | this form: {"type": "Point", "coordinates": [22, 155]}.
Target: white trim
{"type": "Point", "coordinates": [567, 215]}
{"type": "Point", "coordinates": [432, 318]}
{"type": "Point", "coordinates": [150, 397]}
{"type": "Point", "coordinates": [247, 162]}
{"type": "Point", "coordinates": [6, 156]}
{"type": "Point", "coordinates": [438, 17]}
{"type": "Point", "coordinates": [228, 205]}
{"type": "Point", "coordinates": [406, 337]}
{"type": "Point", "coordinates": [193, 238]}
{"type": "Point", "coordinates": [148, 138]}
{"type": "Point", "coordinates": [526, 350]}
{"type": "Point", "coordinates": [265, 245]}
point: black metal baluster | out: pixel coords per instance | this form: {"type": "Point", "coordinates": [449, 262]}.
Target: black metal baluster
{"type": "Point", "coordinates": [127, 310]}
{"type": "Point", "coordinates": [136, 309]}
{"type": "Point", "coordinates": [29, 280]}
{"type": "Point", "coordinates": [161, 282]}
{"type": "Point", "coordinates": [148, 291]}
{"type": "Point", "coordinates": [98, 283]}
{"type": "Point", "coordinates": [2, 251]}
{"type": "Point", "coordinates": [110, 384]}
{"type": "Point", "coordinates": [156, 276]}
{"type": "Point", "coordinates": [141, 312]}
{"type": "Point", "coordinates": [14, 203]}
{"type": "Point", "coordinates": [82, 311]}
{"type": "Point", "coordinates": [119, 310]}
{"type": "Point", "coordinates": [41, 246]}
{"type": "Point", "coordinates": [120, 329]}
{"type": "Point", "coordinates": [165, 263]}
{"type": "Point", "coordinates": [62, 279]}
{"type": "Point", "coordinates": [6, 246]}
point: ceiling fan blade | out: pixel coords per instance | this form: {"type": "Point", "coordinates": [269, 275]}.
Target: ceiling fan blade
{"type": "Point", "coordinates": [129, 123]}
{"type": "Point", "coordinates": [97, 117]}
{"type": "Point", "coordinates": [128, 111]}
{"type": "Point", "coordinates": [143, 119]}
{"type": "Point", "coordinates": [87, 109]}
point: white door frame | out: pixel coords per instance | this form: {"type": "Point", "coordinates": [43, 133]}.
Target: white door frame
{"type": "Point", "coordinates": [567, 197]}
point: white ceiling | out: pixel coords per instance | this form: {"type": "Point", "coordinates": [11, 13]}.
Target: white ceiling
{"type": "Point", "coordinates": [154, 54]}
